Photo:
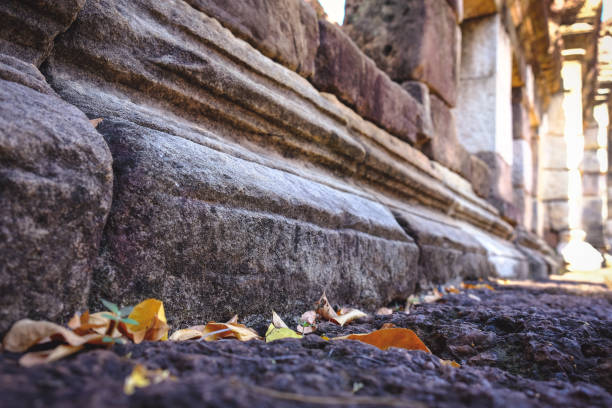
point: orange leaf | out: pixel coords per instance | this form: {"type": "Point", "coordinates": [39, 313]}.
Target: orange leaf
{"type": "Point", "coordinates": [392, 337]}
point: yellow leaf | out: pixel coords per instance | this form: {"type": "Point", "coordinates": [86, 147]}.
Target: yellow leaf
{"type": "Point", "coordinates": [450, 363]}
{"type": "Point", "coordinates": [392, 337]}
{"type": "Point", "coordinates": [353, 314]}
{"type": "Point", "coordinates": [27, 333]}
{"type": "Point", "coordinates": [151, 318]}
{"type": "Point", "coordinates": [477, 286]}
{"type": "Point", "coordinates": [141, 377]}
{"type": "Point", "coordinates": [275, 333]}
{"type": "Point", "coordinates": [47, 356]}
{"type": "Point", "coordinates": [452, 289]}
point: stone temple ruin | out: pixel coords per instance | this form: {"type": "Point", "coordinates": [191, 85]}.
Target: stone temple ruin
{"type": "Point", "coordinates": [241, 155]}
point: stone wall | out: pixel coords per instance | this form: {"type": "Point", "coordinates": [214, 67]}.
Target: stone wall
{"type": "Point", "coordinates": [259, 153]}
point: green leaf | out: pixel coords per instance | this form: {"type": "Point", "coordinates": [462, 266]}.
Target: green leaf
{"type": "Point", "coordinates": [110, 306]}
{"type": "Point", "coordinates": [110, 316]}
{"type": "Point", "coordinates": [127, 320]}
{"type": "Point", "coordinates": [108, 339]}
{"type": "Point", "coordinates": [125, 311]}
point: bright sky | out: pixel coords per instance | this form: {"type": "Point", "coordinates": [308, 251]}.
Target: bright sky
{"type": "Point", "coordinates": [335, 9]}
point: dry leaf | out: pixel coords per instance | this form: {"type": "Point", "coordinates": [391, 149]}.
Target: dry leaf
{"type": "Point", "coordinates": [141, 377]}
{"type": "Point", "coordinates": [151, 320]}
{"type": "Point", "coordinates": [450, 363]}
{"type": "Point", "coordinates": [308, 322]}
{"type": "Point", "coordinates": [324, 309]}
{"type": "Point", "coordinates": [452, 289]}
{"type": "Point", "coordinates": [388, 326]}
{"type": "Point", "coordinates": [277, 321]}
{"type": "Point", "coordinates": [385, 338]}
{"type": "Point", "coordinates": [477, 286]}
{"type": "Point", "coordinates": [96, 122]}
{"type": "Point", "coordinates": [27, 333]}
{"type": "Point", "coordinates": [353, 314]}
{"type": "Point", "coordinates": [186, 334]}
{"type": "Point", "coordinates": [48, 356]}
{"type": "Point", "coordinates": [233, 320]}
{"type": "Point", "coordinates": [277, 333]}
{"type": "Point", "coordinates": [384, 311]}
{"type": "Point", "coordinates": [474, 297]}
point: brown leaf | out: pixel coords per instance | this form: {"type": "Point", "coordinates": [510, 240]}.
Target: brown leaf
{"type": "Point", "coordinates": [48, 356]}
{"type": "Point", "coordinates": [216, 331]}
{"type": "Point", "coordinates": [388, 326]}
{"type": "Point", "coordinates": [96, 122]}
{"type": "Point", "coordinates": [384, 311]}
{"type": "Point", "coordinates": [324, 309]}
{"type": "Point", "coordinates": [385, 338]}
{"type": "Point", "coordinates": [27, 333]}
{"type": "Point", "coordinates": [450, 363]}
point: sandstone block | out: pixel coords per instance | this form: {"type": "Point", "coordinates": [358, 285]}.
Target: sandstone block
{"type": "Point", "coordinates": [522, 165]}
{"type": "Point", "coordinates": [446, 251]}
{"type": "Point", "coordinates": [409, 39]}
{"type": "Point", "coordinates": [591, 162]}
{"type": "Point", "coordinates": [28, 28]}
{"type": "Point", "coordinates": [557, 215]}
{"type": "Point", "coordinates": [342, 69]}
{"type": "Point", "coordinates": [444, 146]}
{"type": "Point", "coordinates": [286, 31]}
{"type": "Point", "coordinates": [205, 230]}
{"type": "Point", "coordinates": [553, 152]}
{"type": "Point", "coordinates": [500, 182]}
{"type": "Point", "coordinates": [55, 194]}
{"type": "Point", "coordinates": [481, 176]}
{"type": "Point", "coordinates": [554, 185]}
{"type": "Point", "coordinates": [593, 184]}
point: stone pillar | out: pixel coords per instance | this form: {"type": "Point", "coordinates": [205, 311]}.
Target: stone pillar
{"type": "Point", "coordinates": [594, 167]}
{"type": "Point", "coordinates": [522, 167]}
{"type": "Point", "coordinates": [485, 103]}
{"type": "Point", "coordinates": [553, 195]}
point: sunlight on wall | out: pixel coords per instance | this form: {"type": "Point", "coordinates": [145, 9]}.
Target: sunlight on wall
{"type": "Point", "coordinates": [573, 133]}
{"type": "Point", "coordinates": [334, 10]}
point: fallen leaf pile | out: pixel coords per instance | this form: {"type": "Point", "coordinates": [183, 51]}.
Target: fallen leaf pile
{"type": "Point", "coordinates": [147, 321]}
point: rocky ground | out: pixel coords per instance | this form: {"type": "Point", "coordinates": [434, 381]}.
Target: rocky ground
{"type": "Point", "coordinates": [522, 345]}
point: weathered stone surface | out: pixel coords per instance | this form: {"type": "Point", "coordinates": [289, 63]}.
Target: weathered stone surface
{"type": "Point", "coordinates": [481, 176]}
{"type": "Point", "coordinates": [446, 251]}
{"type": "Point", "coordinates": [29, 27]}
{"type": "Point", "coordinates": [286, 31]}
{"type": "Point", "coordinates": [204, 231]}
{"type": "Point", "coordinates": [485, 93]}
{"type": "Point", "coordinates": [556, 214]}
{"type": "Point", "coordinates": [414, 39]}
{"type": "Point", "coordinates": [553, 154]}
{"type": "Point", "coordinates": [500, 182]}
{"type": "Point", "coordinates": [522, 165]}
{"type": "Point", "coordinates": [444, 146]}
{"type": "Point", "coordinates": [592, 221]}
{"type": "Point", "coordinates": [593, 184]}
{"type": "Point", "coordinates": [591, 162]}
{"type": "Point", "coordinates": [342, 69]}
{"type": "Point", "coordinates": [554, 185]}
{"type": "Point", "coordinates": [55, 193]}
{"type": "Point", "coordinates": [227, 95]}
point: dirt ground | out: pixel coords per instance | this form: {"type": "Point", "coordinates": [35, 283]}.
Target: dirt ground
{"type": "Point", "coordinates": [523, 345]}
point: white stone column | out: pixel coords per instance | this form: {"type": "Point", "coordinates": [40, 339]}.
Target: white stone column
{"type": "Point", "coordinates": [484, 108]}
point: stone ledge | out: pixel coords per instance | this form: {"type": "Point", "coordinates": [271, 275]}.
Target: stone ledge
{"type": "Point", "coordinates": [211, 82]}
